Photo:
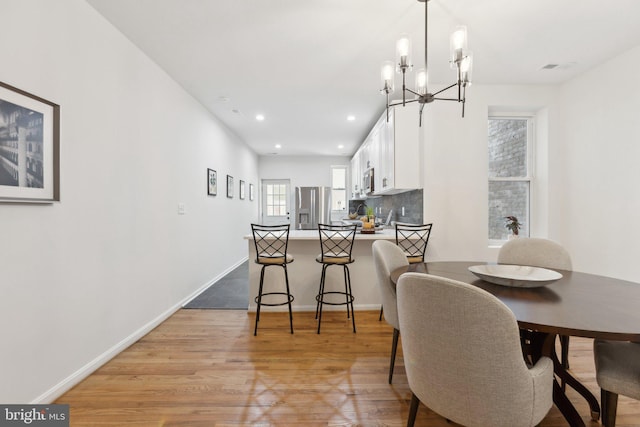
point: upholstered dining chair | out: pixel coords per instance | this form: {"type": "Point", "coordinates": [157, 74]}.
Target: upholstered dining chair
{"type": "Point", "coordinates": [462, 356]}
{"type": "Point", "coordinates": [538, 252]}
{"type": "Point", "coordinates": [617, 372]}
{"type": "Point", "coordinates": [386, 258]}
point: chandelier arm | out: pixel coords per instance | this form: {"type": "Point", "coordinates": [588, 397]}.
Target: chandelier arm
{"type": "Point", "coordinates": [447, 99]}
{"type": "Point", "coordinates": [413, 92]}
{"type": "Point", "coordinates": [393, 104]}
{"type": "Point", "coordinates": [446, 88]}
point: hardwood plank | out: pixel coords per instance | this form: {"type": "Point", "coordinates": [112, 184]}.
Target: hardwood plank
{"type": "Point", "coordinates": [205, 368]}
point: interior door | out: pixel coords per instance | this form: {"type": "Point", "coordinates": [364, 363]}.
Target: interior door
{"type": "Point", "coordinates": [276, 201]}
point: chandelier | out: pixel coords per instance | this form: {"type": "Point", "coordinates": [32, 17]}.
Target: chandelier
{"type": "Point", "coordinates": [460, 59]}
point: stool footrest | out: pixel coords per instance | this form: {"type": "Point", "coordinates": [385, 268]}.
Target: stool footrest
{"type": "Point", "coordinates": [348, 298]}
{"type": "Point", "coordinates": [273, 304]}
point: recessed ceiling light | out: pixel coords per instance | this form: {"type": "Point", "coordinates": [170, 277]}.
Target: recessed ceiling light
{"type": "Point", "coordinates": [278, 146]}
{"type": "Point", "coordinates": [259, 117]}
{"type": "Point", "coordinates": [341, 146]}
{"type": "Point", "coordinates": [351, 118]}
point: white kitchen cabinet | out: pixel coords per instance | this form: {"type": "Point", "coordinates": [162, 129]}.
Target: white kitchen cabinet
{"type": "Point", "coordinates": [400, 153]}
{"type": "Point", "coordinates": [392, 149]}
{"type": "Point", "coordinates": [356, 176]}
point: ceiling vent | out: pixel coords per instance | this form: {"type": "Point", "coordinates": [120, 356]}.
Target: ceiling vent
{"type": "Point", "coordinates": [564, 66]}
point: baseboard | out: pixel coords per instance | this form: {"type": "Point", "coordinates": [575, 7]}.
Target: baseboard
{"type": "Point", "coordinates": [68, 383]}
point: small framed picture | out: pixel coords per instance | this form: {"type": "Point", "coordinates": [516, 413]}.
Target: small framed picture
{"type": "Point", "coordinates": [251, 195]}
{"type": "Point", "coordinates": [230, 186]}
{"type": "Point", "coordinates": [212, 182]}
{"type": "Point", "coordinates": [241, 190]}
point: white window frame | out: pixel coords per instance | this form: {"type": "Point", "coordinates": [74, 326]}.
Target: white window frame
{"type": "Point", "coordinates": [345, 201]}
{"type": "Point", "coordinates": [530, 165]}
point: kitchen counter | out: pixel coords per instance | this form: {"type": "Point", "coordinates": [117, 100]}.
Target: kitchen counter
{"type": "Point", "coordinates": [304, 272]}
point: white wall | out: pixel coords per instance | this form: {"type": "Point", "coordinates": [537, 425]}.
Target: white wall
{"type": "Point", "coordinates": [599, 201]}
{"type": "Point", "coordinates": [303, 171]}
{"type": "Point", "coordinates": [82, 278]}
{"type": "Point", "coordinates": [456, 167]}
{"type": "Point", "coordinates": [587, 169]}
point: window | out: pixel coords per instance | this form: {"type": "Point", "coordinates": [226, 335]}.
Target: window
{"type": "Point", "coordinates": [338, 188]}
{"type": "Point", "coordinates": [510, 147]}
{"type": "Point", "coordinates": [276, 202]}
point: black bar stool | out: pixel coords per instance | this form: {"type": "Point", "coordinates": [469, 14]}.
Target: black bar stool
{"type": "Point", "coordinates": [412, 239]}
{"type": "Point", "coordinates": [336, 244]}
{"type": "Point", "coordinates": [271, 243]}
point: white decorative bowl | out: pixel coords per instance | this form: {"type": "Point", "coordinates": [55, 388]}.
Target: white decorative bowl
{"type": "Point", "coordinates": [517, 276]}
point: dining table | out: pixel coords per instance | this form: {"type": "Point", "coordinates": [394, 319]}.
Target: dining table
{"type": "Point", "coordinates": [577, 304]}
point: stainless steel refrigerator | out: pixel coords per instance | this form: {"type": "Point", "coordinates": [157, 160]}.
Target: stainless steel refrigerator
{"type": "Point", "coordinates": [313, 207]}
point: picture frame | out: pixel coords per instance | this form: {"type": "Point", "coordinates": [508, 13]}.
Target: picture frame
{"type": "Point", "coordinates": [251, 192]}
{"type": "Point", "coordinates": [212, 182]}
{"type": "Point", "coordinates": [241, 190]}
{"type": "Point", "coordinates": [230, 186]}
{"type": "Point", "coordinates": [29, 147]}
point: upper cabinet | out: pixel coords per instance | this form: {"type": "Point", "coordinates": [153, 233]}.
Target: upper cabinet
{"type": "Point", "coordinates": [392, 150]}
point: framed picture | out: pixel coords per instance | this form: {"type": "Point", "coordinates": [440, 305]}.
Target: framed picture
{"type": "Point", "coordinates": [251, 195]}
{"type": "Point", "coordinates": [230, 186]}
{"type": "Point", "coordinates": [241, 190]}
{"type": "Point", "coordinates": [212, 182]}
{"type": "Point", "coordinates": [29, 147]}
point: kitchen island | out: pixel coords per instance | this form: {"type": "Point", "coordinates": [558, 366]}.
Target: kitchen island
{"type": "Point", "coordinates": [304, 272]}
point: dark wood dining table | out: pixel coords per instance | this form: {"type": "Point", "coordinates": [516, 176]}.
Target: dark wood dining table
{"type": "Point", "coordinates": [578, 304]}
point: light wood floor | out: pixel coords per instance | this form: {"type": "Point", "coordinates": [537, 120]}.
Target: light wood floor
{"type": "Point", "coordinates": [205, 368]}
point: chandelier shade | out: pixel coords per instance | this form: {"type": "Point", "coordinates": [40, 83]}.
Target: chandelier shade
{"type": "Point", "coordinates": [460, 59]}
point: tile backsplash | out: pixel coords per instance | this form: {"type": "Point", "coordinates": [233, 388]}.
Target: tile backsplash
{"type": "Point", "coordinates": [411, 201]}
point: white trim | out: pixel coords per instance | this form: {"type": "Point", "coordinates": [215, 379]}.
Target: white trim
{"type": "Point", "coordinates": [72, 380]}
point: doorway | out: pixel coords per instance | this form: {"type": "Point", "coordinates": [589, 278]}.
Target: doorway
{"type": "Point", "coordinates": [276, 201]}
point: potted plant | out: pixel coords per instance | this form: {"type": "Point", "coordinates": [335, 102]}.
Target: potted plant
{"type": "Point", "coordinates": [370, 214]}
{"type": "Point", "coordinates": [513, 225]}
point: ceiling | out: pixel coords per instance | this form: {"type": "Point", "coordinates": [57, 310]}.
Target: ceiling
{"type": "Point", "coordinates": [308, 64]}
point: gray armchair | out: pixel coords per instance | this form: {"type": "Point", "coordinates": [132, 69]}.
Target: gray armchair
{"type": "Point", "coordinates": [537, 252]}
{"type": "Point", "coordinates": [617, 372]}
{"type": "Point", "coordinates": [386, 258]}
{"type": "Point", "coordinates": [463, 358]}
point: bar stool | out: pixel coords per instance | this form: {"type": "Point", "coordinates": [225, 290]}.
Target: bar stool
{"type": "Point", "coordinates": [336, 244]}
{"type": "Point", "coordinates": [271, 243]}
{"type": "Point", "coordinates": [412, 239]}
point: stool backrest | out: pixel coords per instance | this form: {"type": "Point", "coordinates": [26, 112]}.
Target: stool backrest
{"type": "Point", "coordinates": [336, 241]}
{"type": "Point", "coordinates": [413, 239]}
{"type": "Point", "coordinates": [271, 241]}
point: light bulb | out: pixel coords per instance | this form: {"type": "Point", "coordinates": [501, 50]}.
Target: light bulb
{"type": "Point", "coordinates": [458, 43]}
{"type": "Point", "coordinates": [403, 53]}
{"type": "Point", "coordinates": [466, 66]}
{"type": "Point", "coordinates": [422, 78]}
{"type": "Point", "coordinates": [386, 77]}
